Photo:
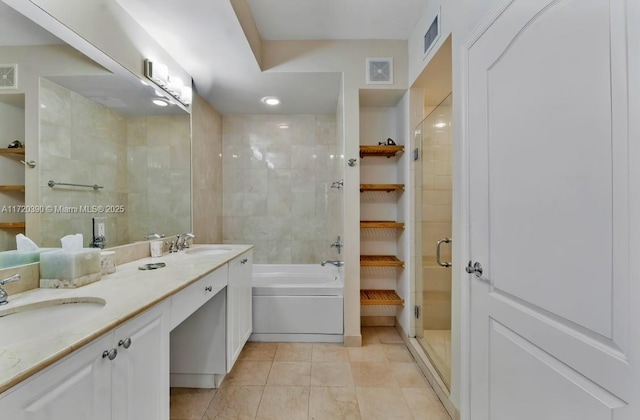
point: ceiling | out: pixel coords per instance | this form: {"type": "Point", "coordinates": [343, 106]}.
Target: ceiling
{"type": "Point", "coordinates": [335, 19]}
{"type": "Point", "coordinates": [207, 39]}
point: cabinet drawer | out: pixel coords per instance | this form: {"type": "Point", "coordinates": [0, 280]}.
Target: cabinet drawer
{"type": "Point", "coordinates": [188, 300]}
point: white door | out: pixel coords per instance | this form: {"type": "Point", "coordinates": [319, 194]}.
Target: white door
{"type": "Point", "coordinates": [554, 317]}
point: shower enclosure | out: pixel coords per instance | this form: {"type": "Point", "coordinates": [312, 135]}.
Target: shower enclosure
{"type": "Point", "coordinates": [433, 239]}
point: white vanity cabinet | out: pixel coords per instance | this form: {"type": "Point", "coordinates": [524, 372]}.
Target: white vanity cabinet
{"type": "Point", "coordinates": [239, 306]}
{"type": "Point", "coordinates": [140, 381]}
{"type": "Point", "coordinates": [103, 380]}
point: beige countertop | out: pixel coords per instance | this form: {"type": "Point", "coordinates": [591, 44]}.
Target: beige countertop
{"type": "Point", "coordinates": [127, 293]}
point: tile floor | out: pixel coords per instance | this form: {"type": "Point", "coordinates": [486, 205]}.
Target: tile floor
{"type": "Point", "coordinates": [318, 381]}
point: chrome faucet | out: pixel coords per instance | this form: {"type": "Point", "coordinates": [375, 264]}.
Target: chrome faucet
{"type": "Point", "coordinates": [182, 241]}
{"type": "Point", "coordinates": [3, 295]}
{"type": "Point", "coordinates": [336, 263]}
{"type": "Point", "coordinates": [338, 244]}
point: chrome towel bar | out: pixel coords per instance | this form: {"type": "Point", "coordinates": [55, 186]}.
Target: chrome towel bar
{"type": "Point", "coordinates": [52, 184]}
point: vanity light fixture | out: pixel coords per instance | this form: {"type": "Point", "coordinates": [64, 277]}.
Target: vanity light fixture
{"type": "Point", "coordinates": [283, 126]}
{"type": "Point", "coordinates": [158, 73]}
{"type": "Point", "coordinates": [270, 100]}
{"type": "Point", "coordinates": [440, 125]}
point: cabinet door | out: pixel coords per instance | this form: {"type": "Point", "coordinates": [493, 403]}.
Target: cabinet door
{"type": "Point", "coordinates": [141, 370]}
{"type": "Point", "coordinates": [76, 388]}
{"type": "Point", "coordinates": [239, 316]}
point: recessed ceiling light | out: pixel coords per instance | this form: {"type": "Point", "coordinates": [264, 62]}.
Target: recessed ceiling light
{"type": "Point", "coordinates": [283, 126]}
{"type": "Point", "coordinates": [160, 102]}
{"type": "Point", "coordinates": [270, 100]}
{"type": "Point", "coordinates": [440, 125]}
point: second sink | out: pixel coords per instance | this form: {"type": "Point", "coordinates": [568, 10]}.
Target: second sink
{"type": "Point", "coordinates": [208, 250]}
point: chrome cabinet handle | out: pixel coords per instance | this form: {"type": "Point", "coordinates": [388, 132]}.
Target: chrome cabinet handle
{"type": "Point", "coordinates": [476, 268]}
{"type": "Point", "coordinates": [243, 261]}
{"type": "Point", "coordinates": [111, 354]}
{"type": "Point", "coordinates": [438, 260]}
{"type": "Point", "coordinates": [208, 289]}
{"type": "Point", "coordinates": [126, 343]}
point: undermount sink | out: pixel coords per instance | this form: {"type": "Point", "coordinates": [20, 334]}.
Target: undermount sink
{"type": "Point", "coordinates": [207, 250]}
{"type": "Point", "coordinates": [19, 323]}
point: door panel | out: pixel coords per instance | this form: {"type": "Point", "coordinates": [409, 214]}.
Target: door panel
{"type": "Point", "coordinates": [549, 214]}
{"type": "Point", "coordinates": [565, 393]}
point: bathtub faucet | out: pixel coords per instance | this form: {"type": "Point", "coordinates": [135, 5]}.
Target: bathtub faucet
{"type": "Point", "coordinates": [336, 263]}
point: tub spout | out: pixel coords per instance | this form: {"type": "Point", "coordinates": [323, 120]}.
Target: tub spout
{"type": "Point", "coordinates": [336, 263]}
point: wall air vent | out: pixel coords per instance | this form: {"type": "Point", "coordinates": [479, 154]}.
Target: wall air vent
{"type": "Point", "coordinates": [8, 76]}
{"type": "Point", "coordinates": [379, 71]}
{"type": "Point", "coordinates": [432, 34]}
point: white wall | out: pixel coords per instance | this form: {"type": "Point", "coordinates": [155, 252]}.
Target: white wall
{"type": "Point", "coordinates": [459, 18]}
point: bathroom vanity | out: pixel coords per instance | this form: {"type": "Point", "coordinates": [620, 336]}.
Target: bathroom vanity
{"type": "Point", "coordinates": [114, 360]}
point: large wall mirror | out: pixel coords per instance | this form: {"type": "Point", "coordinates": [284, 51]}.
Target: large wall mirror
{"type": "Point", "coordinates": [82, 124]}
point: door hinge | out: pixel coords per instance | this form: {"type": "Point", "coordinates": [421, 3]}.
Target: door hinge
{"type": "Point", "coordinates": [416, 311]}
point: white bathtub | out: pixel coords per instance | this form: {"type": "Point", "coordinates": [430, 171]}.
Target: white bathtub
{"type": "Point", "coordinates": [297, 302]}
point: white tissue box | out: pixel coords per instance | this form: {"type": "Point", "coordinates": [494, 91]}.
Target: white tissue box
{"type": "Point", "coordinates": [107, 262]}
{"type": "Point", "coordinates": [13, 258]}
{"type": "Point", "coordinates": [69, 269]}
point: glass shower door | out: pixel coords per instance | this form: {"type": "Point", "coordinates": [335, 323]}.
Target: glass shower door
{"type": "Point", "coordinates": [433, 247]}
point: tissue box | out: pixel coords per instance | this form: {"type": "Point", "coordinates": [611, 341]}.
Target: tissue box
{"type": "Point", "coordinates": [69, 269]}
{"type": "Point", "coordinates": [13, 258]}
{"type": "Point", "coordinates": [107, 262]}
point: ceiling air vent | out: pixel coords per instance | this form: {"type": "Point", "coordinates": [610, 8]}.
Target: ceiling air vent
{"type": "Point", "coordinates": [8, 76]}
{"type": "Point", "coordinates": [432, 34]}
{"type": "Point", "coordinates": [379, 71]}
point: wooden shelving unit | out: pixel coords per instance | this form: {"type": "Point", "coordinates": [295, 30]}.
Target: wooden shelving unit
{"type": "Point", "coordinates": [12, 225]}
{"type": "Point", "coordinates": [12, 188]}
{"type": "Point", "coordinates": [380, 261]}
{"type": "Point", "coordinates": [381, 187]}
{"type": "Point", "coordinates": [386, 151]}
{"type": "Point", "coordinates": [381, 224]}
{"type": "Point", "coordinates": [12, 151]}
{"type": "Point", "coordinates": [380, 297]}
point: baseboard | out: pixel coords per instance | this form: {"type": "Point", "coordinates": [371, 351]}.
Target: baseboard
{"type": "Point", "coordinates": [191, 380]}
{"type": "Point", "coordinates": [297, 338]}
{"type": "Point", "coordinates": [429, 372]}
{"type": "Point", "coordinates": [353, 340]}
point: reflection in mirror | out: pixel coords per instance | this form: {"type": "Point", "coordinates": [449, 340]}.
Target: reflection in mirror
{"type": "Point", "coordinates": [82, 124]}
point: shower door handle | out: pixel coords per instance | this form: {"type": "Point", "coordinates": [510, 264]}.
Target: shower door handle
{"type": "Point", "coordinates": [438, 259]}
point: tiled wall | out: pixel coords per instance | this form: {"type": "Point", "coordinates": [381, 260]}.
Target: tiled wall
{"type": "Point", "coordinates": [206, 141]}
{"type": "Point", "coordinates": [159, 169]}
{"type": "Point", "coordinates": [142, 162]}
{"type": "Point", "coordinates": [276, 186]}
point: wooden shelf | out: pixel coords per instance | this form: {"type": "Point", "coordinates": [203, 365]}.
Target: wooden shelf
{"type": "Point", "coordinates": [380, 224]}
{"type": "Point", "coordinates": [12, 188]}
{"type": "Point", "coordinates": [12, 151]}
{"type": "Point", "coordinates": [380, 261]}
{"type": "Point", "coordinates": [386, 151]}
{"type": "Point", "coordinates": [12, 225]}
{"type": "Point", "coordinates": [380, 297]}
{"type": "Point", "coordinates": [381, 187]}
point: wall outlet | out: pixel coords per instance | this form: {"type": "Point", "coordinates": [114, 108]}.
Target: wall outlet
{"type": "Point", "coordinates": [98, 227]}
